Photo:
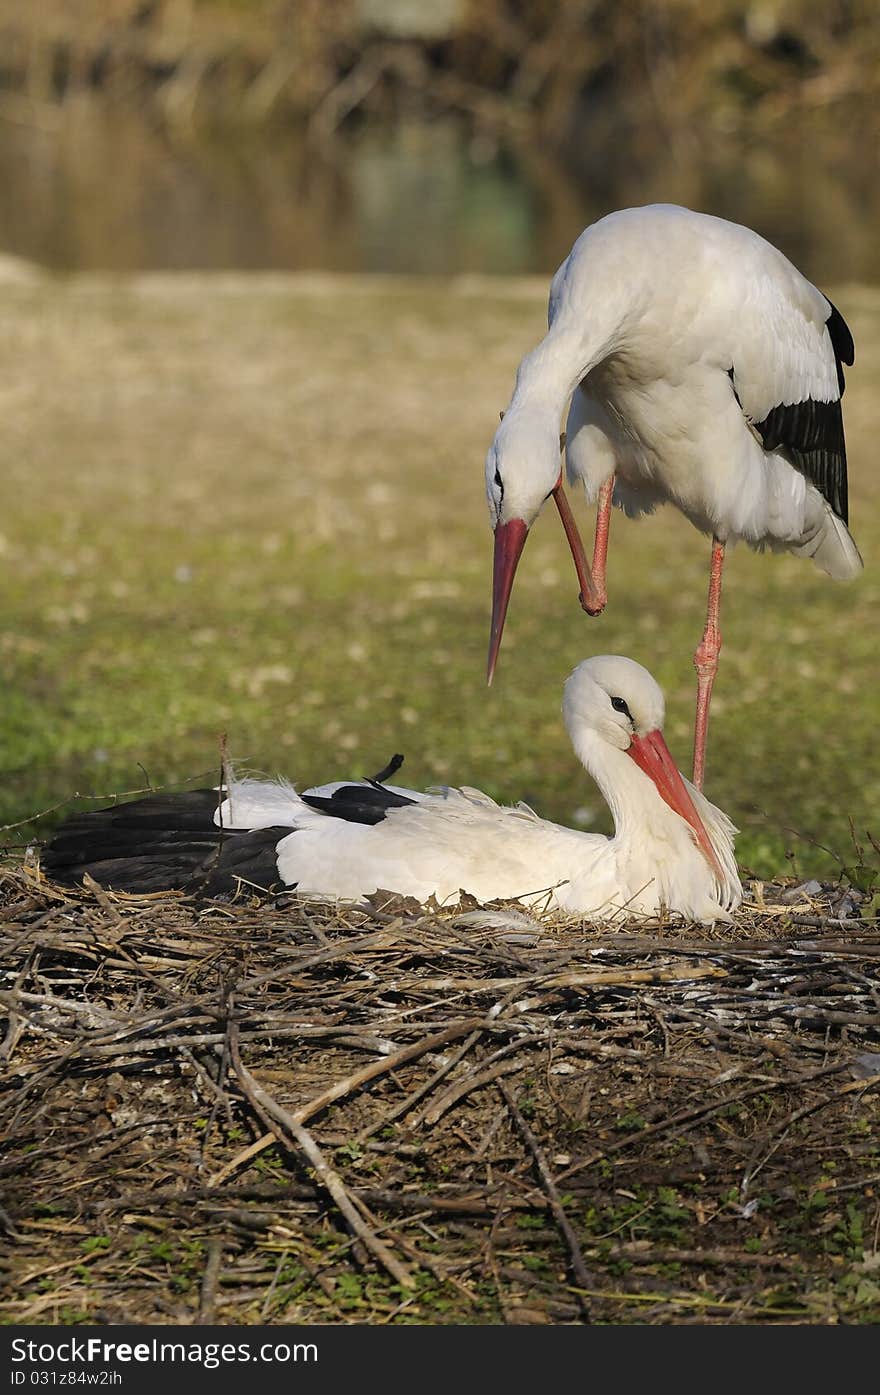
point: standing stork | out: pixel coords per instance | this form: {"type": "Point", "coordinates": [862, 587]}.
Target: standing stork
{"type": "Point", "coordinates": [703, 370]}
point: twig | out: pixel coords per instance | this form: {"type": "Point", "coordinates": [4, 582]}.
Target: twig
{"type": "Point", "coordinates": [595, 978]}
{"type": "Point", "coordinates": [475, 1081]}
{"type": "Point", "coordinates": [208, 1294]}
{"type": "Point", "coordinates": [687, 1116]}
{"type": "Point", "coordinates": [15, 1025]}
{"type": "Point", "coordinates": [253, 1150]}
{"type": "Point", "coordinates": [867, 1083]}
{"type": "Point", "coordinates": [581, 1274]}
{"type": "Point", "coordinates": [345, 1087]}
{"type": "Point", "coordinates": [288, 1132]}
{"type": "Point", "coordinates": [406, 1104]}
{"type": "Point", "coordinates": [389, 1063]}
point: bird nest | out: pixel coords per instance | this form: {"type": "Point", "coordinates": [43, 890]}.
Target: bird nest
{"type": "Point", "coordinates": [277, 1111]}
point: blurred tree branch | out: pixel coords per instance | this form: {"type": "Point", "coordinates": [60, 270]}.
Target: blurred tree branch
{"type": "Point", "coordinates": [538, 70]}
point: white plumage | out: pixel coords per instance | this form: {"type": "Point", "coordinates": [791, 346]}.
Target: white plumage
{"type": "Point", "coordinates": [698, 368]}
{"type": "Point", "coordinates": [671, 848]}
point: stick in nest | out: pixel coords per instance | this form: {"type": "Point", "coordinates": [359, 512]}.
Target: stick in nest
{"type": "Point", "coordinates": [288, 1132]}
{"type": "Point", "coordinates": [582, 1276]}
{"type": "Point", "coordinates": [345, 1087]}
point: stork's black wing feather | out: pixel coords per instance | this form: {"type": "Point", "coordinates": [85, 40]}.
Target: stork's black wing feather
{"type": "Point", "coordinates": [842, 343]}
{"type": "Point", "coordinates": [358, 803]}
{"type": "Point", "coordinates": [161, 843]}
{"type": "Point", "coordinates": [810, 433]}
{"type": "Point", "coordinates": [389, 770]}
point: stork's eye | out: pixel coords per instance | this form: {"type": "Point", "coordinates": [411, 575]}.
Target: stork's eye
{"type": "Point", "coordinates": [619, 705]}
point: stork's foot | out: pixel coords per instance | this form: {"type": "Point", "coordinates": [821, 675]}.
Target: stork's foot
{"type": "Point", "coordinates": [594, 604]}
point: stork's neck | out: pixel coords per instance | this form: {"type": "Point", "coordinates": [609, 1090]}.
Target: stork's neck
{"type": "Point", "coordinates": [548, 375]}
{"type": "Point", "coordinates": [636, 805]}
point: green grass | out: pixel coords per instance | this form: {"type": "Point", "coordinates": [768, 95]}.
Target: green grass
{"type": "Point", "coordinates": [254, 505]}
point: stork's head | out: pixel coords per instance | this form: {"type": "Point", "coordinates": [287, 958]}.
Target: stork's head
{"type": "Point", "coordinates": [615, 697]}
{"type": "Point", "coordinates": [618, 700]}
{"type": "Point", "coordinates": [522, 472]}
{"type": "Point", "coordinates": [522, 468]}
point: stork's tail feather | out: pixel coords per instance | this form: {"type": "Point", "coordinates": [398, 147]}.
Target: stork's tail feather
{"type": "Point", "coordinates": [164, 842]}
{"type": "Point", "coordinates": [831, 547]}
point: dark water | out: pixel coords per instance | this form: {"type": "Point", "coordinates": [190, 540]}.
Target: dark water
{"type": "Point", "coordinates": [80, 189]}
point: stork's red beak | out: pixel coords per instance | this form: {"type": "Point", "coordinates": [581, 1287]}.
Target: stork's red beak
{"type": "Point", "coordinates": [652, 755]}
{"type": "Point", "coordinates": [510, 539]}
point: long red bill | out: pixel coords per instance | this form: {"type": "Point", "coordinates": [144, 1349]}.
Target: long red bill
{"type": "Point", "coordinates": [582, 566]}
{"type": "Point", "coordinates": [510, 539]}
{"type": "Point", "coordinates": [652, 755]}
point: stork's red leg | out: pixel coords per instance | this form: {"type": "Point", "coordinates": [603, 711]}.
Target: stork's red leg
{"type": "Point", "coordinates": [593, 595]}
{"type": "Point", "coordinates": [600, 546]}
{"type": "Point", "coordinates": [706, 661]}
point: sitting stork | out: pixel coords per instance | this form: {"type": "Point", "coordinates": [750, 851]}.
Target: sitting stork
{"type": "Point", "coordinates": [671, 851]}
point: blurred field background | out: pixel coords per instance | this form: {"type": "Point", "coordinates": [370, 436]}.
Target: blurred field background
{"type": "Point", "coordinates": [243, 471]}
